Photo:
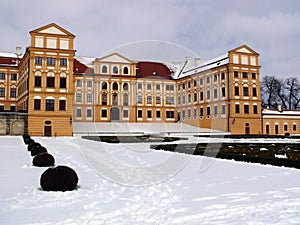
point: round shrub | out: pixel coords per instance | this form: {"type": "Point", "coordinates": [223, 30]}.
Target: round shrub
{"type": "Point", "coordinates": [28, 140]}
{"type": "Point", "coordinates": [38, 150]}
{"type": "Point", "coordinates": [43, 159]}
{"type": "Point", "coordinates": [32, 145]}
{"type": "Point", "coordinates": [60, 178]}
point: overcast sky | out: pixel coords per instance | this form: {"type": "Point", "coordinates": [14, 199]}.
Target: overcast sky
{"type": "Point", "coordinates": [207, 28]}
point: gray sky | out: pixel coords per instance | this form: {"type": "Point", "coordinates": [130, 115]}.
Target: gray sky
{"type": "Point", "coordinates": [208, 28]}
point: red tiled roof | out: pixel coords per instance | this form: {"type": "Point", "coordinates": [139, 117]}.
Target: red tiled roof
{"type": "Point", "coordinates": [80, 68]}
{"type": "Point", "coordinates": [153, 70]}
{"type": "Point", "coordinates": [7, 61]}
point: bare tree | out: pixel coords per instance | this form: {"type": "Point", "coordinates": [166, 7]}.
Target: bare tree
{"type": "Point", "coordinates": [292, 88]}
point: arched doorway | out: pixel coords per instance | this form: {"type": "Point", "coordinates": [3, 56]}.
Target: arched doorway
{"type": "Point", "coordinates": [114, 114]}
{"type": "Point", "coordinates": [17, 128]}
{"type": "Point", "coordinates": [247, 128]}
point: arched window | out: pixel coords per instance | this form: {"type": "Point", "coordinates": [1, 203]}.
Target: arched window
{"type": "Point", "coordinates": [115, 86]}
{"type": "Point", "coordinates": [115, 70]}
{"type": "Point", "coordinates": [104, 99]}
{"type": "Point", "coordinates": [104, 69]}
{"type": "Point", "coordinates": [125, 86]}
{"type": "Point", "coordinates": [125, 70]}
{"type": "Point", "coordinates": [104, 85]}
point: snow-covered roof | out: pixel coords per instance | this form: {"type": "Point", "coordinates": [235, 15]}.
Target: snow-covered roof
{"type": "Point", "coordinates": [283, 112]}
{"type": "Point", "coordinates": [206, 65]}
{"type": "Point", "coordinates": [88, 61]}
{"type": "Point", "coordinates": [8, 54]}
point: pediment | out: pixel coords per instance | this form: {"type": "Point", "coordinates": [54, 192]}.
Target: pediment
{"type": "Point", "coordinates": [52, 29]}
{"type": "Point", "coordinates": [114, 58]}
{"type": "Point", "coordinates": [244, 49]}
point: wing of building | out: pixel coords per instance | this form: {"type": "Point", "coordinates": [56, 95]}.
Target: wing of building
{"type": "Point", "coordinates": [47, 89]}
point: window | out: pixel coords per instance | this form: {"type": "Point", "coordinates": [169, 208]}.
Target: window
{"type": "Point", "coordinates": [104, 113]}
{"type": "Point", "coordinates": [104, 86]}
{"type": "Point", "coordinates": [149, 99]}
{"type": "Point", "coordinates": [195, 83]}
{"type": "Point", "coordinates": [255, 111]}
{"type": "Point", "coordinates": [50, 61]}
{"type": "Point", "coordinates": [201, 96]}
{"type": "Point", "coordinates": [2, 92]}
{"type": "Point", "coordinates": [183, 86]}
{"type": "Point", "coordinates": [189, 84]}
{"type": "Point", "coordinates": [78, 97]}
{"type": "Point", "coordinates": [38, 60]}
{"type": "Point", "coordinates": [115, 99]}
{"type": "Point", "coordinates": [285, 127]}
{"type": "Point", "coordinates": [189, 98]}
{"type": "Point", "coordinates": [115, 70]}
{"type": "Point", "coordinates": [140, 113]}
{"type": "Point", "coordinates": [169, 100]}
{"type": "Point", "coordinates": [125, 86]}
{"type": "Point", "coordinates": [245, 75]}
{"type": "Point", "coordinates": [37, 81]}
{"type": "Point", "coordinates": [13, 76]}
{"type": "Point", "coordinates": [125, 70]}
{"type": "Point", "coordinates": [183, 114]}
{"type": "Point", "coordinates": [88, 113]}
{"type": "Point", "coordinates": [208, 110]}
{"type": "Point", "coordinates": [2, 76]}
{"type": "Point", "coordinates": [125, 99]}
{"type": "Point", "coordinates": [37, 104]}
{"type": "Point", "coordinates": [208, 95]}
{"type": "Point", "coordinates": [1, 108]}
{"type": "Point", "coordinates": [140, 86]}
{"type": "Point", "coordinates": [245, 91]}
{"type": "Point", "coordinates": [104, 69]}
{"type": "Point", "coordinates": [115, 86]}
{"type": "Point", "coordinates": [49, 104]}
{"type": "Point", "coordinates": [89, 83]}
{"type": "Point", "coordinates": [201, 111]}
{"type": "Point", "coordinates": [201, 81]}
{"type": "Point", "coordinates": [223, 90]}
{"type": "Point", "coordinates": [62, 105]}
{"type": "Point", "coordinates": [207, 80]}
{"type": "Point", "coordinates": [63, 62]}
{"type": "Point", "coordinates": [158, 87]}
{"type": "Point", "coordinates": [157, 114]}
{"type": "Point", "coordinates": [246, 109]}
{"type": "Point", "coordinates": [157, 100]}
{"type": "Point", "coordinates": [215, 93]}
{"type": "Point", "coordinates": [215, 77]}
{"type": "Point", "coordinates": [50, 82]}
{"type": "Point", "coordinates": [237, 108]}
{"type": "Point", "coordinates": [89, 98]}
{"type": "Point", "coordinates": [149, 114]}
{"type": "Point", "coordinates": [104, 99]}
{"type": "Point", "coordinates": [170, 114]}
{"type": "Point", "coordinates": [140, 99]}
{"type": "Point", "coordinates": [148, 86]}
{"type": "Point", "coordinates": [78, 112]}
{"type": "Point", "coordinates": [195, 113]}
{"type": "Point", "coordinates": [12, 108]}
{"type": "Point", "coordinates": [79, 83]}
{"type": "Point", "coordinates": [223, 109]}
{"type": "Point", "coordinates": [253, 75]}
{"type": "Point", "coordinates": [294, 127]}
{"type": "Point", "coordinates": [236, 91]}
{"type": "Point", "coordinates": [254, 91]}
{"type": "Point", "coordinates": [183, 99]}
{"type": "Point", "coordinates": [179, 99]}
{"type": "Point", "coordinates": [236, 74]}
{"type": "Point", "coordinates": [267, 129]}
{"type": "Point", "coordinates": [125, 113]}
{"type": "Point", "coordinates": [63, 82]}
{"type": "Point", "coordinates": [195, 97]}
{"type": "Point", "coordinates": [13, 92]}
{"type": "Point", "coordinates": [189, 113]}
{"type": "Point", "coordinates": [222, 76]}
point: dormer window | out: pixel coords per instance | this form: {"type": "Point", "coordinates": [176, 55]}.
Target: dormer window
{"type": "Point", "coordinates": [115, 70]}
{"type": "Point", "coordinates": [104, 69]}
{"type": "Point", "coordinates": [125, 70]}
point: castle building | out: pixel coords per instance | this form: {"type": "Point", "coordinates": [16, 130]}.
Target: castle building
{"type": "Point", "coordinates": [48, 88]}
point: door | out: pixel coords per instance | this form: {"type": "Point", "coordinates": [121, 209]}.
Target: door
{"type": "Point", "coordinates": [115, 114]}
{"type": "Point", "coordinates": [47, 131]}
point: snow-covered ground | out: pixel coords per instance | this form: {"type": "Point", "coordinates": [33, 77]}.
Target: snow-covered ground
{"type": "Point", "coordinates": [131, 184]}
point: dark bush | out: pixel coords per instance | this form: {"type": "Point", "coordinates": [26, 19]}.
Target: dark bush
{"type": "Point", "coordinates": [43, 159]}
{"type": "Point", "coordinates": [60, 178]}
{"type": "Point", "coordinates": [28, 140]}
{"type": "Point", "coordinates": [38, 150]}
{"type": "Point", "coordinates": [32, 145]}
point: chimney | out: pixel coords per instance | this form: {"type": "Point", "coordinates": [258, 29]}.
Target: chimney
{"type": "Point", "coordinates": [198, 62]}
